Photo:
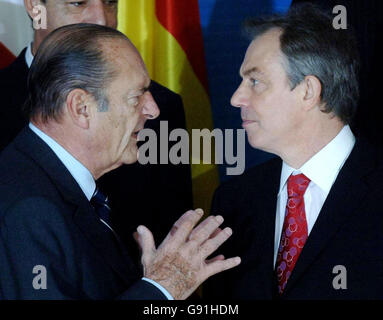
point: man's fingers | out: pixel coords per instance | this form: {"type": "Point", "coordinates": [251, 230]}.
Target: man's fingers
{"type": "Point", "coordinates": [146, 243]}
{"type": "Point", "coordinates": [212, 244]}
{"type": "Point", "coordinates": [218, 230]}
{"type": "Point", "coordinates": [183, 226]}
{"type": "Point", "coordinates": [205, 229]}
{"type": "Point", "coordinates": [217, 258]}
{"type": "Point", "coordinates": [135, 236]}
{"type": "Point", "coordinates": [221, 265]}
{"type": "Point", "coordinates": [200, 225]}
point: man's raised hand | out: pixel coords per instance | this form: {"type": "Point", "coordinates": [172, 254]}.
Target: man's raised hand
{"type": "Point", "coordinates": [179, 264]}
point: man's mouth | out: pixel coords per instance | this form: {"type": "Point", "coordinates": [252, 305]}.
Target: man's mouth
{"type": "Point", "coordinates": [246, 122]}
{"type": "Point", "coordinates": [135, 133]}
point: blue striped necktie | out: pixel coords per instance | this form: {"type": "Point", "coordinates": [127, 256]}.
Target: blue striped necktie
{"type": "Point", "coordinates": [101, 204]}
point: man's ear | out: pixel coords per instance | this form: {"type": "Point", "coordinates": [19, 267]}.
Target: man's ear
{"type": "Point", "coordinates": [29, 5]}
{"type": "Point", "coordinates": [312, 92]}
{"type": "Point", "coordinates": [80, 106]}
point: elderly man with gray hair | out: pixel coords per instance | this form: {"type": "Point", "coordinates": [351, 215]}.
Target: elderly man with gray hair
{"type": "Point", "coordinates": [88, 99]}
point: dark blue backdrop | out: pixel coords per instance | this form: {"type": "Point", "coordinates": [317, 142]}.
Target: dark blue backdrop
{"type": "Point", "coordinates": [225, 48]}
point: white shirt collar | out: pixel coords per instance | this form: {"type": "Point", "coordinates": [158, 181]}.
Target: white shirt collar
{"type": "Point", "coordinates": [324, 166]}
{"type": "Point", "coordinates": [29, 55]}
{"type": "Point", "coordinates": [79, 172]}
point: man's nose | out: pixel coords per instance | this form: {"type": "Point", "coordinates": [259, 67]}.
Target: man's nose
{"type": "Point", "coordinates": [98, 13]}
{"type": "Point", "coordinates": [239, 98]}
{"type": "Point", "coordinates": [150, 110]}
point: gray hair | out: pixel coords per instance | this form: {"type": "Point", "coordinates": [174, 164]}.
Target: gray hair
{"type": "Point", "coordinates": [69, 58]}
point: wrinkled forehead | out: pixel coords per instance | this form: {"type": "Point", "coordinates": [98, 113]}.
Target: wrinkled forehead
{"type": "Point", "coordinates": [123, 52]}
{"type": "Point", "coordinates": [263, 51]}
{"type": "Point", "coordinates": [125, 59]}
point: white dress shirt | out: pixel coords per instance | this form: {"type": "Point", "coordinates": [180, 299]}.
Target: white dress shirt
{"type": "Point", "coordinates": [322, 169]}
{"type": "Point", "coordinates": [29, 55]}
{"type": "Point", "coordinates": [83, 178]}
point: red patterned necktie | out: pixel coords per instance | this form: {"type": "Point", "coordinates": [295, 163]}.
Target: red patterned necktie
{"type": "Point", "coordinates": [294, 232]}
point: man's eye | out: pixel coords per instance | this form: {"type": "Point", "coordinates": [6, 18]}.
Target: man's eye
{"type": "Point", "coordinates": [133, 101]}
{"type": "Point", "coordinates": [77, 3]}
{"type": "Point", "coordinates": [254, 82]}
{"type": "Point", "coordinates": [111, 3]}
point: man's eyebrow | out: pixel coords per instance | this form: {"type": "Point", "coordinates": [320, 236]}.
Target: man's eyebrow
{"type": "Point", "coordinates": [134, 92]}
{"type": "Point", "coordinates": [252, 70]}
{"type": "Point", "coordinates": [144, 89]}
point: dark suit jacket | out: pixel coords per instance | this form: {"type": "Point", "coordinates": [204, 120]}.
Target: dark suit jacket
{"type": "Point", "coordinates": [154, 195]}
{"type": "Point", "coordinates": [348, 232]}
{"type": "Point", "coordinates": [45, 219]}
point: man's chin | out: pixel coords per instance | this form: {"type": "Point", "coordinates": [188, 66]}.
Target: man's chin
{"type": "Point", "coordinates": [131, 161]}
{"type": "Point", "coordinates": [253, 140]}
{"type": "Point", "coordinates": [131, 156]}
{"type": "Point", "coordinates": [256, 142]}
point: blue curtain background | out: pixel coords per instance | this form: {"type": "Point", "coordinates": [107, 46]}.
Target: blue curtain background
{"type": "Point", "coordinates": [225, 47]}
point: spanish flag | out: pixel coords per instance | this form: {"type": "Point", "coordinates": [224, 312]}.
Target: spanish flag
{"type": "Point", "coordinates": [168, 35]}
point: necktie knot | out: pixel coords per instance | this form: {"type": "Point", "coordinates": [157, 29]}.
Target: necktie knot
{"type": "Point", "coordinates": [99, 198]}
{"type": "Point", "coordinates": [297, 185]}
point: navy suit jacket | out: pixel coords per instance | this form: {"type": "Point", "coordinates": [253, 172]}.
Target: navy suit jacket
{"type": "Point", "coordinates": [46, 220]}
{"type": "Point", "coordinates": [155, 195]}
{"type": "Point", "coordinates": [348, 232]}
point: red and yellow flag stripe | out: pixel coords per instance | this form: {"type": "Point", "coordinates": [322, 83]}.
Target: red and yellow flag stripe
{"type": "Point", "coordinates": [168, 35]}
{"type": "Point", "coordinates": [6, 56]}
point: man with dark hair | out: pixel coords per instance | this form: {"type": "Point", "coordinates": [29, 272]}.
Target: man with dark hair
{"type": "Point", "coordinates": [308, 224]}
{"type": "Point", "coordinates": [88, 100]}
{"type": "Point", "coordinates": [167, 186]}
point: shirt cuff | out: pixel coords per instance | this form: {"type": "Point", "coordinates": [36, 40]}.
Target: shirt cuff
{"type": "Point", "coordinates": [161, 288]}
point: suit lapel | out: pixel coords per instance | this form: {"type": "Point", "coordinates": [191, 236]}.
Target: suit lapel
{"type": "Point", "coordinates": [85, 217]}
{"type": "Point", "coordinates": [262, 208]}
{"type": "Point", "coordinates": [267, 198]}
{"type": "Point", "coordinates": [105, 243]}
{"type": "Point", "coordinates": [342, 202]}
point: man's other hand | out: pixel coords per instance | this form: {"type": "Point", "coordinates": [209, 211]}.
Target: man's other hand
{"type": "Point", "coordinates": [179, 264]}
